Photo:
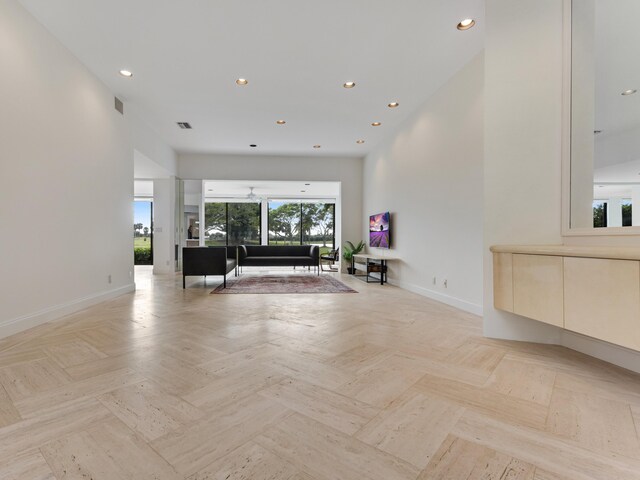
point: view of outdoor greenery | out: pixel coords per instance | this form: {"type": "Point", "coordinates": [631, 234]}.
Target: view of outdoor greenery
{"type": "Point", "coordinates": [600, 214]}
{"type": "Point", "coordinates": [290, 223]}
{"type": "Point", "coordinates": [295, 223]}
{"type": "Point", "coordinates": [142, 252]}
{"type": "Point", "coordinates": [232, 224]}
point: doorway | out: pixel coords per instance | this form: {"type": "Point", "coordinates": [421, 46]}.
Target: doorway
{"type": "Point", "coordinates": [143, 232]}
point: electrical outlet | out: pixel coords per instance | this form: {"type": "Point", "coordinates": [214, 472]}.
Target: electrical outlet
{"type": "Point", "coordinates": [445, 283]}
{"type": "Point", "coordinates": [109, 278]}
{"type": "Point", "coordinates": [434, 280]}
{"type": "Point", "coordinates": [130, 274]}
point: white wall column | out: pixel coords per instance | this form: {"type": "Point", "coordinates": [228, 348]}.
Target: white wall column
{"type": "Point", "coordinates": [527, 58]}
{"type": "Point", "coordinates": [614, 212]}
{"type": "Point", "coordinates": [203, 226]}
{"type": "Point", "coordinates": [164, 204]}
{"type": "Point", "coordinates": [264, 222]}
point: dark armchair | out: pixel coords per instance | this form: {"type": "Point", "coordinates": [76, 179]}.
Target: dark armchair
{"type": "Point", "coordinates": [332, 256]}
{"type": "Point", "coordinates": [208, 261]}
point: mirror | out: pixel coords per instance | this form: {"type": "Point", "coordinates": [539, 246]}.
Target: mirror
{"type": "Point", "coordinates": [605, 114]}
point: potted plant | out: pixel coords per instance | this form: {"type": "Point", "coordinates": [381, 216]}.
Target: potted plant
{"type": "Point", "coordinates": [349, 251]}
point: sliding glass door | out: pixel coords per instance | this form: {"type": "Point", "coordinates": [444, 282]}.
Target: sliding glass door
{"type": "Point", "coordinates": [231, 224]}
{"type": "Point", "coordinates": [302, 223]}
{"type": "Point", "coordinates": [289, 222]}
{"type": "Point", "coordinates": [284, 223]}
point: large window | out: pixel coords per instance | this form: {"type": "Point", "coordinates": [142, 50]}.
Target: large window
{"type": "Point", "coordinates": [289, 222]}
{"type": "Point", "coordinates": [232, 224]}
{"type": "Point", "coordinates": [599, 214]}
{"type": "Point", "coordinates": [605, 213]}
{"type": "Point", "coordinates": [626, 213]}
{"type": "Point", "coordinates": [243, 224]}
{"type": "Point", "coordinates": [297, 223]}
{"type": "Point", "coordinates": [284, 223]}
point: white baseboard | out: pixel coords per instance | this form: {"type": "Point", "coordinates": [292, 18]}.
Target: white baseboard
{"type": "Point", "coordinates": [620, 356]}
{"type": "Point", "coordinates": [440, 297]}
{"type": "Point", "coordinates": [16, 325]}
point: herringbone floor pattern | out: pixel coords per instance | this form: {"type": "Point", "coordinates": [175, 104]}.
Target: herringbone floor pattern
{"type": "Point", "coordinates": [384, 384]}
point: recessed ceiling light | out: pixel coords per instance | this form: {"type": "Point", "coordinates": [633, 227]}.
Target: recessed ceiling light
{"type": "Point", "coordinates": [253, 145]}
{"type": "Point", "coordinates": [242, 81]}
{"type": "Point", "coordinates": [317, 146]}
{"type": "Point", "coordinates": [349, 84]}
{"type": "Point", "coordinates": [466, 24]}
{"type": "Point", "coordinates": [376, 124]}
{"type": "Point", "coordinates": [629, 92]}
{"type": "Point", "coordinates": [360, 141]}
{"type": "Point", "coordinates": [393, 104]}
{"type": "Point", "coordinates": [126, 73]}
{"type": "Point", "coordinates": [280, 122]}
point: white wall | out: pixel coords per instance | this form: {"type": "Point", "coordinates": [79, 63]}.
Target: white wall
{"type": "Point", "coordinates": [150, 148]}
{"type": "Point", "coordinates": [66, 180]}
{"type": "Point", "coordinates": [523, 142]}
{"type": "Point", "coordinates": [164, 214]}
{"type": "Point", "coordinates": [523, 157]}
{"type": "Point", "coordinates": [348, 171]}
{"type": "Point", "coordinates": [429, 176]}
{"type": "Point", "coordinates": [155, 160]}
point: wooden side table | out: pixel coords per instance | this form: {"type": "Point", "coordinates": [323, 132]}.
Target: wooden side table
{"type": "Point", "coordinates": [370, 259]}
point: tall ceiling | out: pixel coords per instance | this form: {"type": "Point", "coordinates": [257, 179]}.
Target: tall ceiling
{"type": "Point", "coordinates": [186, 55]}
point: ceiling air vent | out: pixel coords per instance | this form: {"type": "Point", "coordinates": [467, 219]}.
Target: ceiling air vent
{"type": "Point", "coordinates": [119, 105]}
{"type": "Point", "coordinates": [184, 125]}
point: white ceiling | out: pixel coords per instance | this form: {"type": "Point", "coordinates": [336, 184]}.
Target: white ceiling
{"type": "Point", "coordinates": [616, 180]}
{"type": "Point", "coordinates": [625, 172]}
{"type": "Point", "coordinates": [186, 56]}
{"type": "Point", "coordinates": [605, 192]}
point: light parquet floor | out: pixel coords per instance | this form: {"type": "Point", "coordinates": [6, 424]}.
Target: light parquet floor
{"type": "Point", "coordinates": [384, 384]}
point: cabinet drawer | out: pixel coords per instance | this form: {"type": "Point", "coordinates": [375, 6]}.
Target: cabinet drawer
{"type": "Point", "coordinates": [602, 299]}
{"type": "Point", "coordinates": [538, 288]}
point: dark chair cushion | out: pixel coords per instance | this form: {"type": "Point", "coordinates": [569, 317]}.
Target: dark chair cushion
{"type": "Point", "coordinates": [277, 250]}
{"type": "Point", "coordinates": [206, 261]}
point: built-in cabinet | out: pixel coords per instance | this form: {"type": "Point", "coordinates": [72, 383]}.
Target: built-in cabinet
{"type": "Point", "coordinates": [592, 291]}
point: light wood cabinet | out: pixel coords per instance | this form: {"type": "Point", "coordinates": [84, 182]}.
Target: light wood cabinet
{"type": "Point", "coordinates": [594, 291]}
{"type": "Point", "coordinates": [537, 288]}
{"type": "Point", "coordinates": [602, 299]}
{"type": "Point", "coordinates": [503, 281]}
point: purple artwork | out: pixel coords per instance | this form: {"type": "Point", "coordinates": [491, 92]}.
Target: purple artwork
{"type": "Point", "coordinates": [379, 230]}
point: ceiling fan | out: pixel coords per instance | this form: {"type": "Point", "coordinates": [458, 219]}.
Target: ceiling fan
{"type": "Point", "coordinates": [252, 196]}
